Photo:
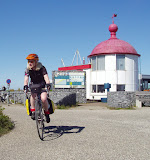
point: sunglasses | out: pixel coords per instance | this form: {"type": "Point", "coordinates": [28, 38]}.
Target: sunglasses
{"type": "Point", "coordinates": [31, 61]}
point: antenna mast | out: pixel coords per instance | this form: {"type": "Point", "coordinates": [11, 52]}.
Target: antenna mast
{"type": "Point", "coordinates": [62, 62]}
{"type": "Point", "coordinates": [77, 54]}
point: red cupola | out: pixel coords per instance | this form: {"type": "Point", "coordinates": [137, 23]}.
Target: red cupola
{"type": "Point", "coordinates": [113, 45]}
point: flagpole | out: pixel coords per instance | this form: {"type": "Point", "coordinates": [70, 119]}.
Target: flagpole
{"type": "Point", "coordinates": [114, 15]}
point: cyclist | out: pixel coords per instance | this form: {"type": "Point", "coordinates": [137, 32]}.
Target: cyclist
{"type": "Point", "coordinates": [39, 77]}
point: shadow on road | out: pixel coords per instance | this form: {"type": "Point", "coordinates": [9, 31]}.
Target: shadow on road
{"type": "Point", "coordinates": [53, 132]}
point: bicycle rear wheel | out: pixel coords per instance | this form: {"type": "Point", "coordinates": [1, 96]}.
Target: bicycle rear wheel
{"type": "Point", "coordinates": [39, 117]}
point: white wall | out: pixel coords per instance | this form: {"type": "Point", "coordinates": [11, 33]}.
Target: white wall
{"type": "Point", "coordinates": [129, 76]}
{"type": "Point", "coordinates": [131, 70]}
{"type": "Point", "coordinates": [88, 84]}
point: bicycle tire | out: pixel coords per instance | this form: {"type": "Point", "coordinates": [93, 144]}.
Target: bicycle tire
{"type": "Point", "coordinates": [39, 117]}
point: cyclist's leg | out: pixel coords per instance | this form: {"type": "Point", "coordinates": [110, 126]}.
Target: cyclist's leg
{"type": "Point", "coordinates": [32, 101]}
{"type": "Point", "coordinates": [44, 100]}
{"type": "Point", "coordinates": [45, 105]}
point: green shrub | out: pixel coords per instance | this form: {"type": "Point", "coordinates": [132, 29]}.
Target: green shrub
{"type": "Point", "coordinates": [5, 123]}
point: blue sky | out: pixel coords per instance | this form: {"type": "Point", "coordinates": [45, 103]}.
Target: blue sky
{"type": "Point", "coordinates": [55, 29]}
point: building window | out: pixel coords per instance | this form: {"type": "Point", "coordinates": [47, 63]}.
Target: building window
{"type": "Point", "coordinates": [121, 87]}
{"type": "Point", "coordinates": [101, 62]}
{"type": "Point", "coordinates": [93, 63]}
{"type": "Point", "coordinates": [90, 60]}
{"type": "Point", "coordinates": [100, 89]}
{"type": "Point", "coordinates": [93, 88]}
{"type": "Point", "coordinates": [98, 63]}
{"type": "Point", "coordinates": [120, 62]}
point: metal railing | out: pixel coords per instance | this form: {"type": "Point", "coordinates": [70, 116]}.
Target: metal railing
{"type": "Point", "coordinates": [12, 97]}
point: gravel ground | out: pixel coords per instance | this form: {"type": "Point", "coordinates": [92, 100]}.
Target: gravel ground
{"type": "Point", "coordinates": [87, 132]}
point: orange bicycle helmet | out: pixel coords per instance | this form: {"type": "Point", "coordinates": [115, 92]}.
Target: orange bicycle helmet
{"type": "Point", "coordinates": [32, 57]}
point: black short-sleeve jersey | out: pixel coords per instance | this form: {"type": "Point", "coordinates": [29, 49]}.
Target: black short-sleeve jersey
{"type": "Point", "coordinates": [37, 76]}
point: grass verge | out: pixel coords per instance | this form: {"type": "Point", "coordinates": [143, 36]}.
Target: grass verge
{"type": "Point", "coordinates": [65, 107]}
{"type": "Point", "coordinates": [5, 123]}
{"type": "Point", "coordinates": [119, 108]}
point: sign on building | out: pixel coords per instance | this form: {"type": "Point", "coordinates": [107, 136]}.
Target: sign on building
{"type": "Point", "coordinates": [69, 79]}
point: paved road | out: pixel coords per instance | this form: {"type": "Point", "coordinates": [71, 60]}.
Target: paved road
{"type": "Point", "coordinates": [79, 134]}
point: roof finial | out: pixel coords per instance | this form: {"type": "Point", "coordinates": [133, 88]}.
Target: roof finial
{"type": "Point", "coordinates": [113, 27]}
{"type": "Point", "coordinates": [114, 15]}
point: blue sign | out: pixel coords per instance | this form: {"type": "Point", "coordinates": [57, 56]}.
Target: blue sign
{"type": "Point", "coordinates": [8, 81]}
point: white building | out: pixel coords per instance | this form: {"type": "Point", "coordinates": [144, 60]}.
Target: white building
{"type": "Point", "coordinates": [113, 61]}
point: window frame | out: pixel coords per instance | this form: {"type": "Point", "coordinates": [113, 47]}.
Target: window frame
{"type": "Point", "coordinates": [95, 90]}
{"type": "Point", "coordinates": [103, 89]}
{"type": "Point", "coordinates": [94, 85]}
{"type": "Point", "coordinates": [118, 62]}
{"type": "Point", "coordinates": [95, 59]}
{"type": "Point", "coordinates": [95, 66]}
{"type": "Point", "coordinates": [101, 68]}
{"type": "Point", "coordinates": [120, 86]}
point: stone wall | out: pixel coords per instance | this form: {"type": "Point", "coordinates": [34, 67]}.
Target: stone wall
{"type": "Point", "coordinates": [119, 99]}
{"type": "Point", "coordinates": [80, 95]}
{"type": "Point", "coordinates": [143, 95]}
{"type": "Point", "coordinates": [66, 98]}
{"type": "Point", "coordinates": [63, 98]}
{"type": "Point", "coordinates": [123, 99]}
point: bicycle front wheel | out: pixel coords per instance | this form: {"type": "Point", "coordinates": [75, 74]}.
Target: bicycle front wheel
{"type": "Point", "coordinates": [39, 117]}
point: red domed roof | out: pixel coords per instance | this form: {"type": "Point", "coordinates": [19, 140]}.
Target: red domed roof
{"type": "Point", "coordinates": [113, 45]}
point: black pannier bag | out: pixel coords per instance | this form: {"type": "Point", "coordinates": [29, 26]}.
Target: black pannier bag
{"type": "Point", "coordinates": [51, 106]}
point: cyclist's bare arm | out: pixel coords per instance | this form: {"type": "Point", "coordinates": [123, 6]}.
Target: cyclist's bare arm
{"type": "Point", "coordinates": [26, 80]}
{"type": "Point", "coordinates": [46, 78]}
